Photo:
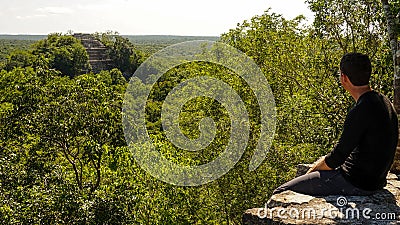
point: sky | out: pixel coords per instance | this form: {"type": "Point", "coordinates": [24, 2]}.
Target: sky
{"type": "Point", "coordinates": [138, 17]}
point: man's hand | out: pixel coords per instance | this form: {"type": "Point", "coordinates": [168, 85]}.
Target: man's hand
{"type": "Point", "coordinates": [319, 165]}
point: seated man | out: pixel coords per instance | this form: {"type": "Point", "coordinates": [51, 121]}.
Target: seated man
{"type": "Point", "coordinates": [360, 161]}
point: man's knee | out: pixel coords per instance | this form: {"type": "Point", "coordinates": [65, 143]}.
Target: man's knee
{"type": "Point", "coordinates": [280, 189]}
{"type": "Point", "coordinates": [302, 184]}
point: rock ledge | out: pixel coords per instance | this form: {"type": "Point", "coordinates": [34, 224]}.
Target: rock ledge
{"type": "Point", "coordinates": [293, 208]}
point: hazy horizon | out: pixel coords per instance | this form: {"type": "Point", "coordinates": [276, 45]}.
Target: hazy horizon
{"type": "Point", "coordinates": [133, 17]}
{"type": "Point", "coordinates": [175, 35]}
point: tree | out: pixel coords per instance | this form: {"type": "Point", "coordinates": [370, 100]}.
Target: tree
{"type": "Point", "coordinates": [353, 25]}
{"type": "Point", "coordinates": [393, 32]}
{"type": "Point", "coordinates": [59, 139]}
{"type": "Point", "coordinates": [19, 59]}
{"type": "Point", "coordinates": [301, 69]}
{"type": "Point", "coordinates": [63, 157]}
{"type": "Point", "coordinates": [64, 53]}
{"type": "Point", "coordinates": [357, 26]}
{"type": "Point", "coordinates": [83, 122]}
{"type": "Point", "coordinates": [392, 29]}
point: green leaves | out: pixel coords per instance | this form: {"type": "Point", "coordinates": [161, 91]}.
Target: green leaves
{"type": "Point", "coordinates": [55, 132]}
{"type": "Point", "coordinates": [352, 25]}
{"type": "Point", "coordinates": [63, 158]}
{"type": "Point", "coordinates": [64, 53]}
{"type": "Point", "coordinates": [81, 120]}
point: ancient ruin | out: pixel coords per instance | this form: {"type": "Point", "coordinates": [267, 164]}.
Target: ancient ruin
{"type": "Point", "coordinates": [98, 57]}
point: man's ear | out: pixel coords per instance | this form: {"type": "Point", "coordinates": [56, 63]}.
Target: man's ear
{"type": "Point", "coordinates": [345, 78]}
{"type": "Point", "coordinates": [347, 84]}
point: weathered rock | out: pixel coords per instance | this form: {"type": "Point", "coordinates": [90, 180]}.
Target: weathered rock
{"type": "Point", "coordinates": [302, 169]}
{"type": "Point", "coordinates": [97, 52]}
{"type": "Point", "coordinates": [293, 208]}
{"type": "Point", "coordinates": [396, 163]}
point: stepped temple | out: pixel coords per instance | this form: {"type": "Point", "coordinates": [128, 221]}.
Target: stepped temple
{"type": "Point", "coordinates": [98, 57]}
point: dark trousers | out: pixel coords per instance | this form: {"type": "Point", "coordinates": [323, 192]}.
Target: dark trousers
{"type": "Point", "coordinates": [323, 183]}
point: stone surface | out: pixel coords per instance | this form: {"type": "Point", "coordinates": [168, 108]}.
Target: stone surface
{"type": "Point", "coordinates": [293, 208]}
{"type": "Point", "coordinates": [302, 169]}
{"type": "Point", "coordinates": [396, 163]}
{"type": "Point", "coordinates": [98, 57]}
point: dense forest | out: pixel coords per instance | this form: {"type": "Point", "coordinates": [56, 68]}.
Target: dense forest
{"type": "Point", "coordinates": [145, 43]}
{"type": "Point", "coordinates": [63, 155]}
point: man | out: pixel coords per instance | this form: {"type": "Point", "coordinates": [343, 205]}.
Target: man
{"type": "Point", "coordinates": [360, 161]}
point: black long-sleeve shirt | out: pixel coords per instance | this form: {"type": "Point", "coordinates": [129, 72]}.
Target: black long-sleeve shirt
{"type": "Point", "coordinates": [366, 148]}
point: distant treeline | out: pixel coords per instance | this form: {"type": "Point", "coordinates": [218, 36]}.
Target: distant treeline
{"type": "Point", "coordinates": [145, 43]}
{"type": "Point", "coordinates": [135, 39]}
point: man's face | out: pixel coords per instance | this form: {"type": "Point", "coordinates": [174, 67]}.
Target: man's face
{"type": "Point", "coordinates": [340, 76]}
{"type": "Point", "coordinates": [344, 80]}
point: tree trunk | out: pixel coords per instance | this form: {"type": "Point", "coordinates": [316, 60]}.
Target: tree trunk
{"type": "Point", "coordinates": [391, 29]}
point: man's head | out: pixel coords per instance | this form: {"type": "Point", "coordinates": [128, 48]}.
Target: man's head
{"type": "Point", "coordinates": [357, 67]}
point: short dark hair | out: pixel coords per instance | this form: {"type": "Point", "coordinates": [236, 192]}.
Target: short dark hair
{"type": "Point", "coordinates": [357, 67]}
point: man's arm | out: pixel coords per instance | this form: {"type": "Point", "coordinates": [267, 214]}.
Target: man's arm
{"type": "Point", "coordinates": [354, 128]}
{"type": "Point", "coordinates": [320, 164]}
